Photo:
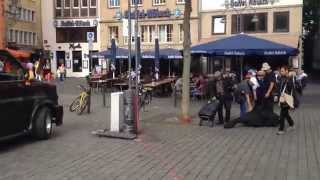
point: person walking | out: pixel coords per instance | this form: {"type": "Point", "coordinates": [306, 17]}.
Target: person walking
{"type": "Point", "coordinates": [270, 82]}
{"type": "Point", "coordinates": [38, 69]}
{"type": "Point", "coordinates": [224, 88]}
{"type": "Point", "coordinates": [61, 72]}
{"type": "Point", "coordinates": [286, 87]}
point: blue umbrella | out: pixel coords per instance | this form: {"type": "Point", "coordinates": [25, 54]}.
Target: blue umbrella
{"type": "Point", "coordinates": [157, 58]}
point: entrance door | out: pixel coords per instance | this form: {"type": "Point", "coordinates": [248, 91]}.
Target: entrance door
{"type": "Point", "coordinates": [77, 61]}
{"type": "Point", "coordinates": [61, 58]}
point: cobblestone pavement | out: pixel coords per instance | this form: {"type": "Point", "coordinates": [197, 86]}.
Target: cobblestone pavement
{"type": "Point", "coordinates": [167, 149]}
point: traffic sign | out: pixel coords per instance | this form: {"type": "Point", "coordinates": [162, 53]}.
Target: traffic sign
{"type": "Point", "coordinates": [90, 36]}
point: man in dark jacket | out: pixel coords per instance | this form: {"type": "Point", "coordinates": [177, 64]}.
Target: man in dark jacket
{"type": "Point", "coordinates": [224, 88]}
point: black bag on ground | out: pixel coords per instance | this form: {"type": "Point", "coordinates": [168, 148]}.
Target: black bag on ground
{"type": "Point", "coordinates": [208, 111]}
{"type": "Point", "coordinates": [258, 117]}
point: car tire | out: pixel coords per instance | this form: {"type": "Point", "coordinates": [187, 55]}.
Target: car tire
{"type": "Point", "coordinates": [42, 124]}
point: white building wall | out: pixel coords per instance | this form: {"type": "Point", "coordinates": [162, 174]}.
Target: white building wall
{"type": "Point", "coordinates": [49, 35]}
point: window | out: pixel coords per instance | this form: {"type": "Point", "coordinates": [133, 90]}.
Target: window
{"type": "Point", "coordinates": [93, 3]}
{"type": "Point", "coordinates": [34, 39]}
{"type": "Point", "coordinates": [20, 37]}
{"type": "Point", "coordinates": [113, 33]}
{"type": "Point", "coordinates": [159, 2]}
{"type": "Point", "coordinates": [281, 22]}
{"type": "Point", "coordinates": [58, 4]}
{"type": "Point", "coordinates": [75, 35]}
{"type": "Point", "coordinates": [114, 3]}
{"type": "Point", "coordinates": [218, 25]}
{"type": "Point", "coordinates": [66, 4]}
{"type": "Point", "coordinates": [180, 1]}
{"type": "Point", "coordinates": [16, 36]}
{"type": "Point", "coordinates": [30, 38]}
{"type": "Point", "coordinates": [33, 16]}
{"type": "Point", "coordinates": [25, 38]}
{"type": "Point", "coordinates": [250, 23]}
{"type": "Point", "coordinates": [165, 33]}
{"type": "Point", "coordinates": [133, 2]}
{"type": "Point", "coordinates": [84, 3]}
{"type": "Point", "coordinates": [181, 33]}
{"type": "Point", "coordinates": [148, 33]}
{"type": "Point", "coordinates": [10, 70]}
{"type": "Point", "coordinates": [75, 3]}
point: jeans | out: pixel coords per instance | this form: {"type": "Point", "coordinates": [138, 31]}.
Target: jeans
{"type": "Point", "coordinates": [243, 108]}
{"type": "Point", "coordinates": [284, 114]}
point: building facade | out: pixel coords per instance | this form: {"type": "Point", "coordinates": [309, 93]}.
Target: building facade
{"type": "Point", "coordinates": [23, 24]}
{"type": "Point", "coordinates": [276, 20]}
{"type": "Point", "coordinates": [162, 19]}
{"type": "Point", "coordinates": [2, 25]}
{"type": "Point", "coordinates": [70, 34]}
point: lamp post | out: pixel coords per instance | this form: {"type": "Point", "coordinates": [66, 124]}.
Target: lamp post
{"type": "Point", "coordinates": [137, 65]}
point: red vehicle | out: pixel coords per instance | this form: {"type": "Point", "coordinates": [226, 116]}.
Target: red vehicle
{"type": "Point", "coordinates": [25, 107]}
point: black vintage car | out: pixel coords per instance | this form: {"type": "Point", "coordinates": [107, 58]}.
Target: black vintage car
{"type": "Point", "coordinates": [25, 107]}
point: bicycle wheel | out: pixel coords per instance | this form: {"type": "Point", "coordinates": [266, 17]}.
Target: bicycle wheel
{"type": "Point", "coordinates": [75, 104]}
{"type": "Point", "coordinates": [83, 106]}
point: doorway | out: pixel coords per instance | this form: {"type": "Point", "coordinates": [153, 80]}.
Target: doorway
{"type": "Point", "coordinates": [61, 58]}
{"type": "Point", "coordinates": [77, 61]}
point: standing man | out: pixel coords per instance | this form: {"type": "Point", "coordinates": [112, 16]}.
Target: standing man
{"type": "Point", "coordinates": [224, 87]}
{"type": "Point", "coordinates": [270, 82]}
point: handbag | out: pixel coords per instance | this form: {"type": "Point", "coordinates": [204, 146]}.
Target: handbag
{"type": "Point", "coordinates": [287, 98]}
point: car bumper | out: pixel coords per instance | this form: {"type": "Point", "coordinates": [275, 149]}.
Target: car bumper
{"type": "Point", "coordinates": [58, 115]}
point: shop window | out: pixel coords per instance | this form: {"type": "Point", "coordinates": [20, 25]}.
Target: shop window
{"type": "Point", "coordinates": [218, 25]}
{"type": "Point", "coordinates": [73, 35]}
{"type": "Point", "coordinates": [281, 22]}
{"type": "Point", "coordinates": [114, 3]}
{"type": "Point", "coordinates": [250, 23]}
{"type": "Point", "coordinates": [159, 2]}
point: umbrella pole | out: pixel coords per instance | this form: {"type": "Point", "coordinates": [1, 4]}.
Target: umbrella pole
{"type": "Point", "coordinates": [169, 67]}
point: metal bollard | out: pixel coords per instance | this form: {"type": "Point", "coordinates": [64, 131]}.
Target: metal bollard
{"type": "Point", "coordinates": [89, 101]}
{"type": "Point", "coordinates": [128, 112]}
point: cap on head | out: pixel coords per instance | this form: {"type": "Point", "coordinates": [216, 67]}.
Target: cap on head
{"type": "Point", "coordinates": [265, 67]}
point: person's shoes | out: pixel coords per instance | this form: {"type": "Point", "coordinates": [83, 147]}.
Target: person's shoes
{"type": "Point", "coordinates": [280, 132]}
{"type": "Point", "coordinates": [291, 128]}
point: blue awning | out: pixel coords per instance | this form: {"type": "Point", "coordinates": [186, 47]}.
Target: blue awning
{"type": "Point", "coordinates": [166, 53]}
{"type": "Point", "coordinates": [121, 53]}
{"type": "Point", "coordinates": [244, 45]}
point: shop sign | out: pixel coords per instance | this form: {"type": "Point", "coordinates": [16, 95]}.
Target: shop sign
{"type": "Point", "coordinates": [268, 53]}
{"type": "Point", "coordinates": [242, 3]}
{"type": "Point", "coordinates": [234, 53]}
{"type": "Point", "coordinates": [150, 13]}
{"type": "Point", "coordinates": [76, 23]}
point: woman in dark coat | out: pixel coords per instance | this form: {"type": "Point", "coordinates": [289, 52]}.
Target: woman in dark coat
{"type": "Point", "coordinates": [286, 86]}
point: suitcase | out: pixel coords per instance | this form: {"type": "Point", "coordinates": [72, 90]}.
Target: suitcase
{"type": "Point", "coordinates": [208, 112]}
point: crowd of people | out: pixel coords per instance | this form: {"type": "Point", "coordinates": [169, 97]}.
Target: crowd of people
{"type": "Point", "coordinates": [256, 95]}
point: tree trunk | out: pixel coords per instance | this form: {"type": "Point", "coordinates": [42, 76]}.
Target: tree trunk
{"type": "Point", "coordinates": [185, 117]}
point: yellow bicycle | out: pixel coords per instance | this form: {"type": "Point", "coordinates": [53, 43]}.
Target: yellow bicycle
{"type": "Point", "coordinates": [81, 102]}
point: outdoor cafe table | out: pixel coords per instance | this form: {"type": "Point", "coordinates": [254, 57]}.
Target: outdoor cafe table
{"type": "Point", "coordinates": [160, 84]}
{"type": "Point", "coordinates": [103, 85]}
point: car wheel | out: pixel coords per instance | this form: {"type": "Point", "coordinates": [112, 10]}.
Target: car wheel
{"type": "Point", "coordinates": [42, 124]}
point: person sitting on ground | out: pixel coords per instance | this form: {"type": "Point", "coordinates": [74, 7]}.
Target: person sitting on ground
{"type": "Point", "coordinates": [259, 116]}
